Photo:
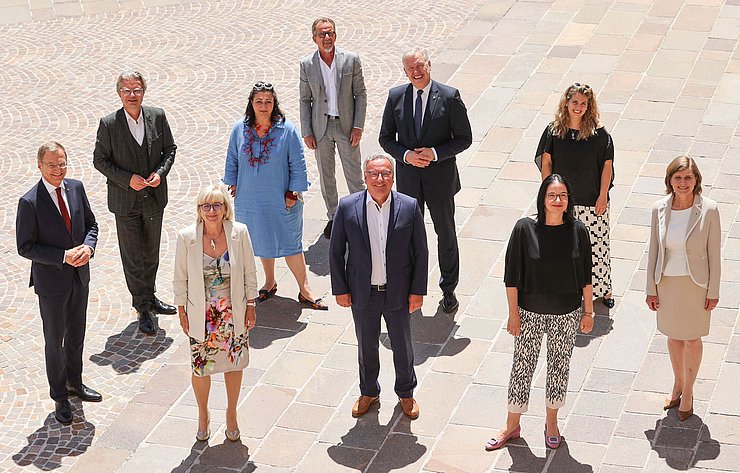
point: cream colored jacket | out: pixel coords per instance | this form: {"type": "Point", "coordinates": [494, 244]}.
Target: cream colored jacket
{"type": "Point", "coordinates": [703, 243]}
{"type": "Point", "coordinates": [189, 286]}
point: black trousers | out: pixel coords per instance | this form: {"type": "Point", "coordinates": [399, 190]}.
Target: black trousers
{"type": "Point", "coordinates": [64, 318]}
{"type": "Point", "coordinates": [442, 211]}
{"type": "Point", "coordinates": [367, 329]}
{"type": "Point", "coordinates": [139, 235]}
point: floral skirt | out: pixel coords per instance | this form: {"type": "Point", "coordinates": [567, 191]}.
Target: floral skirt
{"type": "Point", "coordinates": [222, 350]}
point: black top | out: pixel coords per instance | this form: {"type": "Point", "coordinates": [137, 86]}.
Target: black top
{"type": "Point", "coordinates": [549, 265]}
{"type": "Point", "coordinates": [580, 162]}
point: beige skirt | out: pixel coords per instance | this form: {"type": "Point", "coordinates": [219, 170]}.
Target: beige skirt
{"type": "Point", "coordinates": [681, 314]}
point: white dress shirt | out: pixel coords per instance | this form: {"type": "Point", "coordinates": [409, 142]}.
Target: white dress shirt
{"type": "Point", "coordinates": [136, 126]}
{"type": "Point", "coordinates": [675, 243]}
{"type": "Point", "coordinates": [53, 193]}
{"type": "Point", "coordinates": [377, 229]}
{"type": "Point", "coordinates": [424, 99]}
{"type": "Point", "coordinates": [329, 74]}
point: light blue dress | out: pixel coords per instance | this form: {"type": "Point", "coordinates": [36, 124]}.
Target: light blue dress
{"type": "Point", "coordinates": [261, 186]}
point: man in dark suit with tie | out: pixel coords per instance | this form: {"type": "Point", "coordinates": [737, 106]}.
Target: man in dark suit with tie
{"type": "Point", "coordinates": [135, 151]}
{"type": "Point", "coordinates": [56, 229]}
{"type": "Point", "coordinates": [378, 260]}
{"type": "Point", "coordinates": [333, 104]}
{"type": "Point", "coordinates": [425, 125]}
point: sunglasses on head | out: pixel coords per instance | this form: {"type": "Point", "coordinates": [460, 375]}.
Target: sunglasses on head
{"type": "Point", "coordinates": [581, 86]}
{"type": "Point", "coordinates": [262, 86]}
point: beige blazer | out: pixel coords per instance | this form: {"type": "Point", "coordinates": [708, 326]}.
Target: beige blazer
{"type": "Point", "coordinates": [703, 243]}
{"type": "Point", "coordinates": [190, 290]}
{"type": "Point", "coordinates": [351, 94]}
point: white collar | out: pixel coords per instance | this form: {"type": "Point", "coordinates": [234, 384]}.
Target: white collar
{"type": "Point", "coordinates": [130, 118]}
{"type": "Point", "coordinates": [51, 188]}
{"type": "Point", "coordinates": [425, 89]}
{"type": "Point", "coordinates": [369, 199]}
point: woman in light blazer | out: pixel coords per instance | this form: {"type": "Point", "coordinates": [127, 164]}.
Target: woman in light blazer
{"type": "Point", "coordinates": [683, 274]}
{"type": "Point", "coordinates": [215, 290]}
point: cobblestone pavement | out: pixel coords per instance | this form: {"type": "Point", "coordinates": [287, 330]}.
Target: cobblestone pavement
{"type": "Point", "coordinates": [667, 74]}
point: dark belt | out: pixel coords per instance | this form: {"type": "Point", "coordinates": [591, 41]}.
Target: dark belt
{"type": "Point", "coordinates": [378, 287]}
{"type": "Point", "coordinates": [332, 117]}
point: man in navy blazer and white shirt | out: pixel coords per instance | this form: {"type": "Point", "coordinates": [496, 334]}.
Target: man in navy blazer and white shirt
{"type": "Point", "coordinates": [378, 259]}
{"type": "Point", "coordinates": [425, 126]}
{"type": "Point", "coordinates": [56, 230]}
{"type": "Point", "coordinates": [333, 104]}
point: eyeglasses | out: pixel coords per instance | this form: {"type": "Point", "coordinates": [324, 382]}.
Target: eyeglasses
{"type": "Point", "coordinates": [376, 174]}
{"type": "Point", "coordinates": [262, 86]}
{"type": "Point", "coordinates": [54, 167]}
{"type": "Point", "coordinates": [563, 196]}
{"type": "Point", "coordinates": [137, 92]}
{"type": "Point", "coordinates": [208, 207]}
{"type": "Point", "coordinates": [326, 34]}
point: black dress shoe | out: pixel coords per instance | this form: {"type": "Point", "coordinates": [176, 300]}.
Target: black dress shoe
{"type": "Point", "coordinates": [84, 393]}
{"type": "Point", "coordinates": [449, 302]}
{"type": "Point", "coordinates": [63, 412]}
{"type": "Point", "coordinates": [147, 323]}
{"type": "Point", "coordinates": [327, 229]}
{"type": "Point", "coordinates": [163, 308]}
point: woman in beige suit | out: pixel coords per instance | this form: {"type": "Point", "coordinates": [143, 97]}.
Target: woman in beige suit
{"type": "Point", "coordinates": [683, 274]}
{"type": "Point", "coordinates": [215, 290]}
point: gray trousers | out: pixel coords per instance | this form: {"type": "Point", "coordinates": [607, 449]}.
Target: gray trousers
{"type": "Point", "coordinates": [350, 157]}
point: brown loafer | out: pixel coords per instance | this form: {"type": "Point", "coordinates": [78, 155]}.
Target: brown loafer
{"type": "Point", "coordinates": [409, 406]}
{"type": "Point", "coordinates": [362, 405]}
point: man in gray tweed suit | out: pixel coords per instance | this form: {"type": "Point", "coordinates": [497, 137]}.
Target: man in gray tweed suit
{"type": "Point", "coordinates": [135, 151]}
{"type": "Point", "coordinates": [333, 103]}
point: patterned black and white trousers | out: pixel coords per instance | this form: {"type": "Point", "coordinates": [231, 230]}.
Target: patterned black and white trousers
{"type": "Point", "coordinates": [598, 229]}
{"type": "Point", "coordinates": [561, 337]}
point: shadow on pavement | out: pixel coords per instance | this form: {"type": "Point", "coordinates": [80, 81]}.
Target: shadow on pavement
{"type": "Point", "coordinates": [233, 456]}
{"type": "Point", "coordinates": [277, 318]}
{"type": "Point", "coordinates": [126, 351]}
{"type": "Point", "coordinates": [317, 257]}
{"type": "Point", "coordinates": [358, 446]}
{"type": "Point", "coordinates": [563, 462]}
{"type": "Point", "coordinates": [602, 326]}
{"type": "Point", "coordinates": [48, 446]}
{"type": "Point", "coordinates": [675, 441]}
{"type": "Point", "coordinates": [436, 330]}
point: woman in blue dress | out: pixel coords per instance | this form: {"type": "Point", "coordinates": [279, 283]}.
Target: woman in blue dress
{"type": "Point", "coordinates": [266, 173]}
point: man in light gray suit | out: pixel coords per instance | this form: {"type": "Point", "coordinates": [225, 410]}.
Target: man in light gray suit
{"type": "Point", "coordinates": [333, 103]}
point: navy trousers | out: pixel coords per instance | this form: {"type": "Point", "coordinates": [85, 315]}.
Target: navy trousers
{"type": "Point", "coordinates": [64, 318]}
{"type": "Point", "coordinates": [367, 329]}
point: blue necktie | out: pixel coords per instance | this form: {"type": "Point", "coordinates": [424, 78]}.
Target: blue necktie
{"type": "Point", "coordinates": [418, 114]}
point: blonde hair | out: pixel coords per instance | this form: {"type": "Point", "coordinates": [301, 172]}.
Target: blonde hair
{"type": "Point", "coordinates": [214, 193]}
{"type": "Point", "coordinates": [682, 163]}
{"type": "Point", "coordinates": [589, 123]}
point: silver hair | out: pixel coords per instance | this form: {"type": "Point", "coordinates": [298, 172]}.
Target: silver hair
{"type": "Point", "coordinates": [50, 147]}
{"type": "Point", "coordinates": [375, 157]}
{"type": "Point", "coordinates": [412, 53]}
{"type": "Point", "coordinates": [130, 75]}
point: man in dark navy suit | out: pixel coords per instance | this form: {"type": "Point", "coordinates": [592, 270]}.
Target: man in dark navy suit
{"type": "Point", "coordinates": [56, 230]}
{"type": "Point", "coordinates": [425, 126]}
{"type": "Point", "coordinates": [378, 259]}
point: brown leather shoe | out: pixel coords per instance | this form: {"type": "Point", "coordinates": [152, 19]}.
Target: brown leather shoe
{"type": "Point", "coordinates": [362, 405]}
{"type": "Point", "coordinates": [409, 406]}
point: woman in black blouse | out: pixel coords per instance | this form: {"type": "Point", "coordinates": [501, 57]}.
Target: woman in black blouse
{"type": "Point", "coordinates": [578, 148]}
{"type": "Point", "coordinates": [547, 276]}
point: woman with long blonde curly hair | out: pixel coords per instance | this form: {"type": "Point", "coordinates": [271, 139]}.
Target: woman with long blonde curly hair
{"type": "Point", "coordinates": [576, 146]}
